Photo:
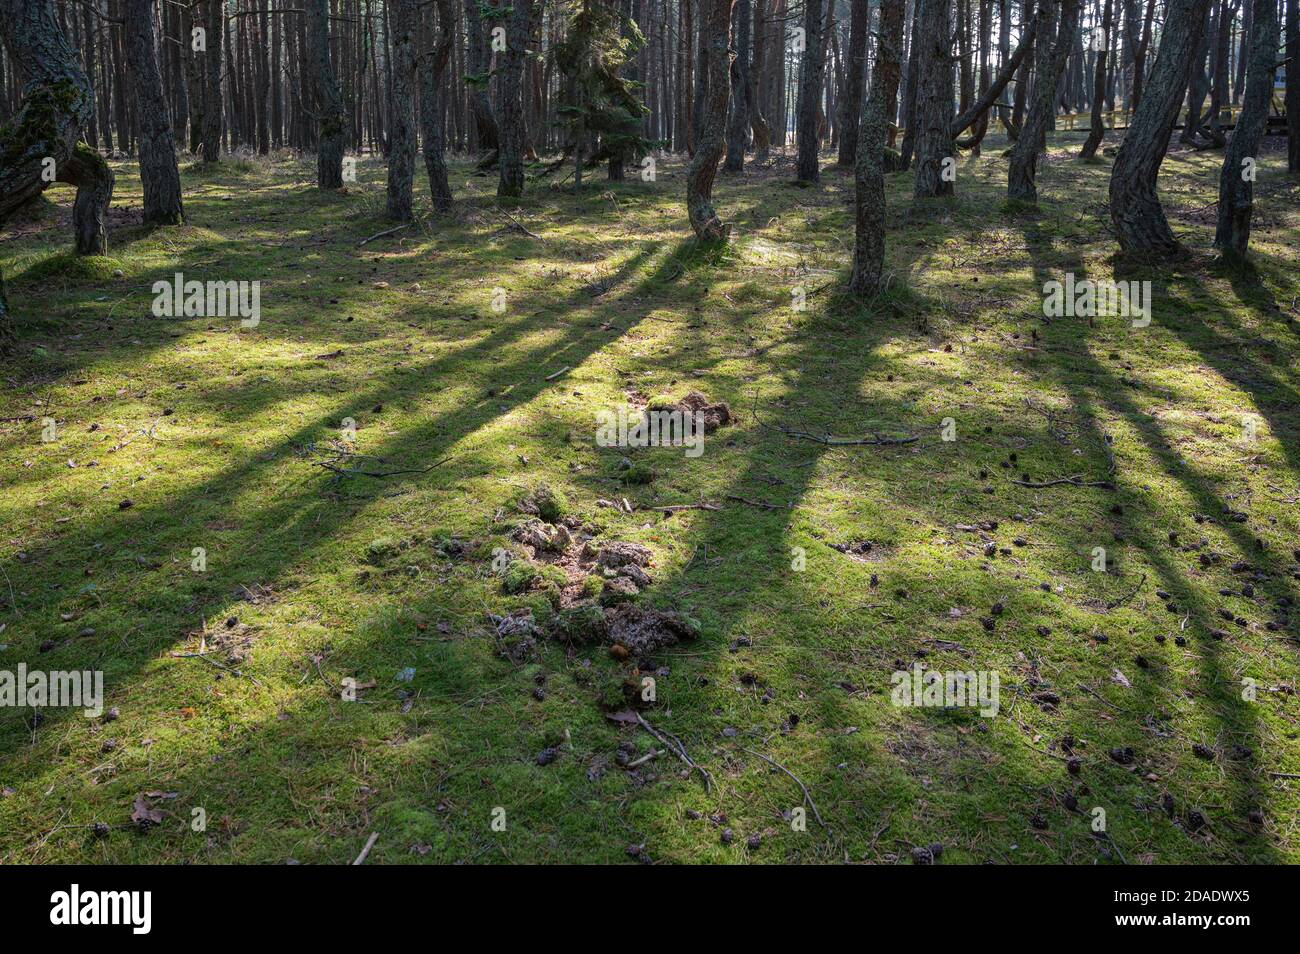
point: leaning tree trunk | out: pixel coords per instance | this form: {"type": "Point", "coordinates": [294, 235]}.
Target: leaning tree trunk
{"type": "Point", "coordinates": [708, 150]}
{"type": "Point", "coordinates": [934, 141]}
{"type": "Point", "coordinates": [1293, 86]}
{"type": "Point", "coordinates": [990, 95]}
{"type": "Point", "coordinates": [401, 137]}
{"type": "Point", "coordinates": [1237, 178]}
{"type": "Point", "coordinates": [511, 182]}
{"type": "Point", "coordinates": [811, 75]}
{"type": "Point", "coordinates": [1098, 131]}
{"type": "Point", "coordinates": [431, 77]}
{"type": "Point", "coordinates": [869, 172]}
{"type": "Point", "coordinates": [329, 100]}
{"type": "Point", "coordinates": [159, 176]}
{"type": "Point", "coordinates": [57, 103]}
{"type": "Point", "coordinates": [738, 122]}
{"type": "Point", "coordinates": [851, 103]}
{"type": "Point", "coordinates": [213, 31]}
{"type": "Point", "coordinates": [1135, 210]}
{"type": "Point", "coordinates": [908, 145]}
{"type": "Point", "coordinates": [1050, 64]}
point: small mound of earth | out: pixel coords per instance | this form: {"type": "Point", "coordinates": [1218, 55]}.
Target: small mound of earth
{"type": "Point", "coordinates": [643, 632]}
{"type": "Point", "coordinates": [714, 415]}
{"type": "Point", "coordinates": [516, 635]}
{"type": "Point", "coordinates": [569, 546]}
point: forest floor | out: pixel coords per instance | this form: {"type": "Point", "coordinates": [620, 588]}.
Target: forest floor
{"type": "Point", "coordinates": [820, 570]}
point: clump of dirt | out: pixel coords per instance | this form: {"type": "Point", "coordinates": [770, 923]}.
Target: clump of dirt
{"type": "Point", "coordinates": [714, 416]}
{"type": "Point", "coordinates": [516, 635]}
{"type": "Point", "coordinates": [232, 639]}
{"type": "Point", "coordinates": [643, 632]}
{"type": "Point", "coordinates": [566, 556]}
{"type": "Point", "coordinates": [543, 502]}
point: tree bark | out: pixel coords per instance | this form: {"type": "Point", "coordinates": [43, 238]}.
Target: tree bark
{"type": "Point", "coordinates": [1237, 178]}
{"type": "Point", "coordinates": [431, 91]}
{"type": "Point", "coordinates": [708, 151]}
{"type": "Point", "coordinates": [811, 75]}
{"type": "Point", "coordinates": [1135, 210]}
{"type": "Point", "coordinates": [869, 174]}
{"type": "Point", "coordinates": [990, 95]}
{"type": "Point", "coordinates": [477, 62]}
{"type": "Point", "coordinates": [738, 123]}
{"type": "Point", "coordinates": [329, 100]}
{"type": "Point", "coordinates": [1293, 86]}
{"type": "Point", "coordinates": [855, 78]}
{"type": "Point", "coordinates": [1050, 64]}
{"type": "Point", "coordinates": [214, 30]}
{"type": "Point", "coordinates": [934, 112]}
{"type": "Point", "coordinates": [511, 182]}
{"type": "Point", "coordinates": [402, 135]}
{"type": "Point", "coordinates": [159, 175]}
{"type": "Point", "coordinates": [1098, 131]}
{"type": "Point", "coordinates": [57, 103]}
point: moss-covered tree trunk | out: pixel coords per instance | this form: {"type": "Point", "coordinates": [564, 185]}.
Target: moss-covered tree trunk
{"type": "Point", "coordinates": [869, 173]}
{"type": "Point", "coordinates": [712, 142]}
{"type": "Point", "coordinates": [401, 138]}
{"type": "Point", "coordinates": [511, 173]}
{"type": "Point", "coordinates": [41, 142]}
{"type": "Point", "coordinates": [329, 100]}
{"type": "Point", "coordinates": [478, 60]}
{"type": "Point", "coordinates": [159, 175]}
{"type": "Point", "coordinates": [811, 74]}
{"type": "Point", "coordinates": [1135, 209]}
{"type": "Point", "coordinates": [1237, 178]}
{"type": "Point", "coordinates": [434, 68]}
{"type": "Point", "coordinates": [1293, 86]}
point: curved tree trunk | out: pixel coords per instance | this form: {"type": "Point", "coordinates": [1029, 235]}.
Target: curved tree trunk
{"type": "Point", "coordinates": [1049, 64]}
{"type": "Point", "coordinates": [869, 173]}
{"type": "Point", "coordinates": [855, 79]}
{"type": "Point", "coordinates": [57, 104]}
{"type": "Point", "coordinates": [159, 175]}
{"type": "Point", "coordinates": [811, 75]}
{"type": "Point", "coordinates": [708, 150]}
{"type": "Point", "coordinates": [401, 138]}
{"type": "Point", "coordinates": [435, 65]}
{"type": "Point", "coordinates": [1237, 178]}
{"type": "Point", "coordinates": [934, 141]}
{"type": "Point", "coordinates": [990, 95]}
{"type": "Point", "coordinates": [87, 170]}
{"type": "Point", "coordinates": [329, 101]}
{"type": "Point", "coordinates": [1135, 210]}
{"type": "Point", "coordinates": [1098, 131]}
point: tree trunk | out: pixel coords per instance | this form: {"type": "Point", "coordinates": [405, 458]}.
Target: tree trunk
{"type": "Point", "coordinates": [57, 103]}
{"type": "Point", "coordinates": [1135, 210]}
{"type": "Point", "coordinates": [738, 123]}
{"type": "Point", "coordinates": [1008, 70]}
{"type": "Point", "coordinates": [855, 78]}
{"type": "Point", "coordinates": [329, 100]}
{"type": "Point", "coordinates": [511, 183]}
{"type": "Point", "coordinates": [908, 146]}
{"type": "Point", "coordinates": [1237, 178]}
{"type": "Point", "coordinates": [214, 29]}
{"type": "Point", "coordinates": [1293, 86]}
{"type": "Point", "coordinates": [159, 176]}
{"type": "Point", "coordinates": [934, 111]}
{"type": "Point", "coordinates": [811, 75]}
{"type": "Point", "coordinates": [477, 62]}
{"type": "Point", "coordinates": [1049, 64]}
{"type": "Point", "coordinates": [869, 173]}
{"type": "Point", "coordinates": [1098, 131]}
{"type": "Point", "coordinates": [431, 88]}
{"type": "Point", "coordinates": [708, 151]}
{"type": "Point", "coordinates": [401, 137]}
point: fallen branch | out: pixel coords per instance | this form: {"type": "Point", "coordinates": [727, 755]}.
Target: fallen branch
{"type": "Point", "coordinates": [1124, 599]}
{"type": "Point", "coordinates": [334, 468]}
{"type": "Point", "coordinates": [370, 843]}
{"type": "Point", "coordinates": [832, 441]}
{"type": "Point", "coordinates": [673, 508]}
{"type": "Point", "coordinates": [674, 744]}
{"type": "Point", "coordinates": [207, 659]}
{"type": "Point", "coordinates": [798, 781]}
{"type": "Point", "coordinates": [763, 504]}
{"type": "Point", "coordinates": [1076, 481]}
{"type": "Point", "coordinates": [397, 228]}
